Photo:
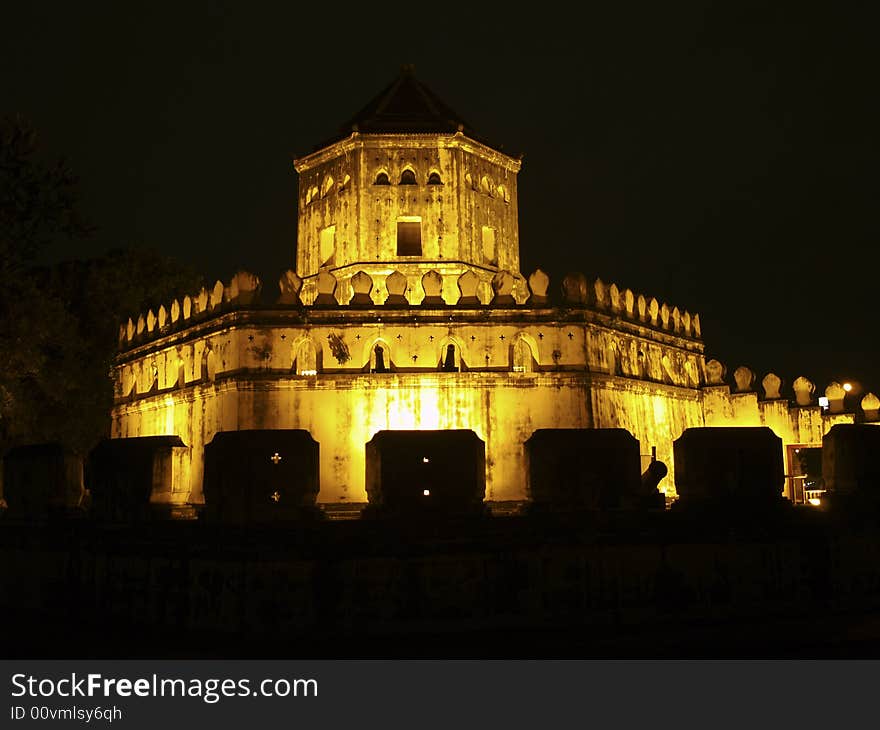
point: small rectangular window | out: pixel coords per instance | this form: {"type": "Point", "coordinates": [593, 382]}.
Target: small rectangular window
{"type": "Point", "coordinates": [328, 246]}
{"type": "Point", "coordinates": [489, 245]}
{"type": "Point", "coordinates": [409, 237]}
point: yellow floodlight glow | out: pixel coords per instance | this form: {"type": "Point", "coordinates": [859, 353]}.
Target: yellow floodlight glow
{"type": "Point", "coordinates": [815, 501]}
{"type": "Point", "coordinates": [847, 387]}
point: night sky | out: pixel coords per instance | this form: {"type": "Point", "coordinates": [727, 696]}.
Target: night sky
{"type": "Point", "coordinates": [719, 157]}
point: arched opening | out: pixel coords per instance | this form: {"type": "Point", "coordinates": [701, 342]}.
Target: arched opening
{"type": "Point", "coordinates": [306, 360]}
{"type": "Point", "coordinates": [643, 366]}
{"type": "Point", "coordinates": [380, 359]}
{"type": "Point", "coordinates": [181, 373]}
{"type": "Point", "coordinates": [450, 360]}
{"type": "Point", "coordinates": [346, 181]}
{"type": "Point", "coordinates": [407, 177]}
{"type": "Point", "coordinates": [127, 382]}
{"type": "Point", "coordinates": [522, 359]}
{"type": "Point", "coordinates": [311, 194]}
{"type": "Point", "coordinates": [327, 186]}
{"type": "Point", "coordinates": [503, 193]}
{"type": "Point", "coordinates": [209, 365]}
{"type": "Point", "coordinates": [382, 179]}
{"type": "Point", "coordinates": [613, 359]}
{"type": "Point", "coordinates": [668, 370]}
{"type": "Point", "coordinates": [434, 179]}
{"type": "Point", "coordinates": [426, 472]}
{"type": "Point", "coordinates": [486, 185]}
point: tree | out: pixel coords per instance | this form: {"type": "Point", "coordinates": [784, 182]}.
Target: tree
{"type": "Point", "coordinates": [98, 295]}
{"type": "Point", "coordinates": [37, 204]}
{"type": "Point", "coordinates": [59, 324]}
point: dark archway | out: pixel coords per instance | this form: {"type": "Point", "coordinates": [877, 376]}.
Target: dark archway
{"type": "Point", "coordinates": [426, 472]}
{"type": "Point", "coordinates": [261, 476]}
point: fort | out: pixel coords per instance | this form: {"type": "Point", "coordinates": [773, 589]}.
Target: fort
{"type": "Point", "coordinates": [407, 312]}
{"type": "Point", "coordinates": [278, 459]}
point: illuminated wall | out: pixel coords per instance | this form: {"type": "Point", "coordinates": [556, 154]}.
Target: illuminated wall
{"type": "Point", "coordinates": [503, 410]}
{"type": "Point", "coordinates": [517, 370]}
{"type": "Point", "coordinates": [462, 193]}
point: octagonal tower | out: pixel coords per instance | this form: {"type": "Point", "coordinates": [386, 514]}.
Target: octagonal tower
{"type": "Point", "coordinates": [406, 185]}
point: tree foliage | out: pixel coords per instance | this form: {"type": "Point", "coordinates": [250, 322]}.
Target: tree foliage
{"type": "Point", "coordinates": [59, 324]}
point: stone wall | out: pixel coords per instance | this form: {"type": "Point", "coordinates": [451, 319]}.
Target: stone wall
{"type": "Point", "coordinates": [225, 362]}
{"type": "Point", "coordinates": [458, 189]}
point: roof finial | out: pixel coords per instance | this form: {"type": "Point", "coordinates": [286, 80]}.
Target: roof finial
{"type": "Point", "coordinates": [408, 69]}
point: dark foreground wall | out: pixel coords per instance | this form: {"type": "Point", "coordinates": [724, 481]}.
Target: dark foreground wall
{"type": "Point", "coordinates": [356, 589]}
{"type": "Point", "coordinates": [260, 476]}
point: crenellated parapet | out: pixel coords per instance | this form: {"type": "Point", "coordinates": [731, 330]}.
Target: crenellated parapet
{"type": "Point", "coordinates": [243, 290]}
{"type": "Point", "coordinates": [577, 290]}
{"type": "Point", "coordinates": [504, 290]}
{"type": "Point", "coordinates": [801, 393]}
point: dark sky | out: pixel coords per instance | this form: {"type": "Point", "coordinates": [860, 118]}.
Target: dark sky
{"type": "Point", "coordinates": [721, 157]}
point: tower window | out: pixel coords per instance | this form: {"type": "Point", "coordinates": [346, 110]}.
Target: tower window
{"type": "Point", "coordinates": [434, 179]}
{"type": "Point", "coordinates": [328, 245]}
{"type": "Point", "coordinates": [382, 179]}
{"type": "Point", "coordinates": [327, 186]}
{"type": "Point", "coordinates": [409, 236]}
{"type": "Point", "coordinates": [407, 177]}
{"type": "Point", "coordinates": [489, 254]}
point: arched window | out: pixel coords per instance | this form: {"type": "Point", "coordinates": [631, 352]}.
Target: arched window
{"type": "Point", "coordinates": [209, 365]}
{"type": "Point", "coordinates": [522, 361]}
{"type": "Point", "coordinates": [380, 360]}
{"type": "Point", "coordinates": [450, 361]}
{"type": "Point", "coordinates": [306, 358]}
{"type": "Point", "coordinates": [382, 179]}
{"type": "Point", "coordinates": [486, 185]}
{"type": "Point", "coordinates": [127, 382]}
{"type": "Point", "coordinates": [345, 183]}
{"type": "Point", "coordinates": [407, 177]}
{"type": "Point", "coordinates": [327, 186]}
{"type": "Point", "coordinates": [615, 366]}
{"type": "Point", "coordinates": [469, 181]}
{"type": "Point", "coordinates": [434, 179]}
{"type": "Point", "coordinates": [311, 194]}
{"type": "Point", "coordinates": [503, 193]}
{"type": "Point", "coordinates": [668, 373]}
{"type": "Point", "coordinates": [181, 373]}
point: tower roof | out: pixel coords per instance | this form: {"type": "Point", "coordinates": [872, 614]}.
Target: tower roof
{"type": "Point", "coordinates": [406, 106]}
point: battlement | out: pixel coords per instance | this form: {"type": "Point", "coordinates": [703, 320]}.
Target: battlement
{"type": "Point", "coordinates": [802, 393]}
{"type": "Point", "coordinates": [504, 291]}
